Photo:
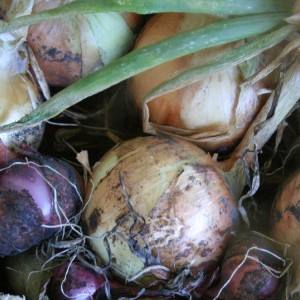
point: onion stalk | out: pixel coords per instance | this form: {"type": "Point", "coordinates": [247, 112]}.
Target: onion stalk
{"type": "Point", "coordinates": [159, 206]}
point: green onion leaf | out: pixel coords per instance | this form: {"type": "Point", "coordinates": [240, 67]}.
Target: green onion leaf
{"type": "Point", "coordinates": [229, 59]}
{"type": "Point", "coordinates": [214, 7]}
{"type": "Point", "coordinates": [142, 59]}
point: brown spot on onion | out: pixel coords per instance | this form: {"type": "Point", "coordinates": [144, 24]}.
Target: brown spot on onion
{"type": "Point", "coordinates": [69, 49]}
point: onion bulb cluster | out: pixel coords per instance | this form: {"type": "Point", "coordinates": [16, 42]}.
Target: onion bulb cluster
{"type": "Point", "coordinates": [68, 49]}
{"type": "Point", "coordinates": [286, 223]}
{"type": "Point", "coordinates": [21, 83]}
{"type": "Point", "coordinates": [213, 112]}
{"type": "Point", "coordinates": [158, 206]}
{"type": "Point", "coordinates": [34, 192]}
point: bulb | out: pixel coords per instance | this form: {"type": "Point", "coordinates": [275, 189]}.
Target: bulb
{"type": "Point", "coordinates": [21, 83]}
{"type": "Point", "coordinates": [286, 223]}
{"type": "Point", "coordinates": [68, 49]}
{"type": "Point", "coordinates": [35, 192]}
{"type": "Point", "coordinates": [178, 213]}
{"type": "Point", "coordinates": [213, 112]}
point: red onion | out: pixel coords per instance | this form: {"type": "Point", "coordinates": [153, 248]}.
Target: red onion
{"type": "Point", "coordinates": [81, 283]}
{"type": "Point", "coordinates": [244, 274]}
{"type": "Point", "coordinates": [34, 193]}
{"type": "Point", "coordinates": [74, 282]}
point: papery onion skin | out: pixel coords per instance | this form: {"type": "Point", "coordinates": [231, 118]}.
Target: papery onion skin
{"type": "Point", "coordinates": [286, 211]}
{"type": "Point", "coordinates": [210, 111]}
{"type": "Point", "coordinates": [80, 283]}
{"type": "Point", "coordinates": [285, 219]}
{"type": "Point", "coordinates": [69, 49]}
{"type": "Point", "coordinates": [19, 95]}
{"type": "Point", "coordinates": [251, 281]}
{"type": "Point", "coordinates": [176, 188]}
{"type": "Point", "coordinates": [27, 201]}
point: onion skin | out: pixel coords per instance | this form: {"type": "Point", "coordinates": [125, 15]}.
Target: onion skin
{"type": "Point", "coordinates": [286, 222]}
{"type": "Point", "coordinates": [24, 210]}
{"type": "Point", "coordinates": [286, 212]}
{"type": "Point", "coordinates": [64, 53]}
{"type": "Point", "coordinates": [81, 279]}
{"type": "Point", "coordinates": [81, 283]}
{"type": "Point", "coordinates": [19, 95]}
{"type": "Point", "coordinates": [252, 281]}
{"type": "Point", "coordinates": [188, 209]}
{"type": "Point", "coordinates": [210, 111]}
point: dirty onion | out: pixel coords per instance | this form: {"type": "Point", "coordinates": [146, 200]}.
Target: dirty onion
{"type": "Point", "coordinates": [214, 111]}
{"type": "Point", "coordinates": [70, 48]}
{"type": "Point", "coordinates": [251, 269]}
{"type": "Point", "coordinates": [159, 206]}
{"type": "Point", "coordinates": [37, 194]}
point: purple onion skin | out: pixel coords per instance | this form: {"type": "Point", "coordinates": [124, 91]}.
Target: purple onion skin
{"type": "Point", "coordinates": [27, 201]}
{"type": "Point", "coordinates": [81, 283]}
{"type": "Point", "coordinates": [252, 281]}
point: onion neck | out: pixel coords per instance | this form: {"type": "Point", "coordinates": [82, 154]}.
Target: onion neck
{"type": "Point", "coordinates": [235, 178]}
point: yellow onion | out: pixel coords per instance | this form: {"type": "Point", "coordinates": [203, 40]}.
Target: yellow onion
{"type": "Point", "coordinates": [68, 49]}
{"type": "Point", "coordinates": [286, 223]}
{"type": "Point", "coordinates": [160, 203]}
{"type": "Point", "coordinates": [213, 112]}
{"type": "Point", "coordinates": [21, 83]}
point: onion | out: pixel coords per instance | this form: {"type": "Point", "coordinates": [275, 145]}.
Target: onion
{"type": "Point", "coordinates": [20, 81]}
{"type": "Point", "coordinates": [159, 206]}
{"type": "Point", "coordinates": [70, 49]}
{"type": "Point", "coordinates": [79, 282]}
{"type": "Point", "coordinates": [213, 112]}
{"type": "Point", "coordinates": [25, 274]}
{"type": "Point", "coordinates": [286, 223]}
{"type": "Point", "coordinates": [75, 282]}
{"type": "Point", "coordinates": [247, 269]}
{"type": "Point", "coordinates": [35, 192]}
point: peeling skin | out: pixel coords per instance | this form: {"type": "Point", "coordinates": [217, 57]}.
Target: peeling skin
{"type": "Point", "coordinates": [183, 199]}
{"type": "Point", "coordinates": [213, 111]}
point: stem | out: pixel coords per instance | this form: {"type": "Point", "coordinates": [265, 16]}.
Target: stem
{"type": "Point", "coordinates": [214, 7]}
